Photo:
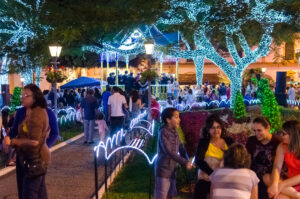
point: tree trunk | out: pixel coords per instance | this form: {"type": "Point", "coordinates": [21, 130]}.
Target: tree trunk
{"type": "Point", "coordinates": [38, 75]}
{"type": "Point", "coordinates": [199, 63]}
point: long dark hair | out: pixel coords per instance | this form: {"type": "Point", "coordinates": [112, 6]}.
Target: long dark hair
{"type": "Point", "coordinates": [135, 96]}
{"type": "Point", "coordinates": [37, 95]}
{"type": "Point", "coordinates": [210, 122]}
{"type": "Point", "coordinates": [293, 130]}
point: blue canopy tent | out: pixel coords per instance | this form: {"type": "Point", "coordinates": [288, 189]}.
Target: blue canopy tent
{"type": "Point", "coordinates": [83, 82]}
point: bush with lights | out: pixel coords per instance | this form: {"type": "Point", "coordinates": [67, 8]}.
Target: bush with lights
{"type": "Point", "coordinates": [270, 109]}
{"type": "Point", "coordinates": [239, 110]}
{"type": "Point", "coordinates": [15, 101]}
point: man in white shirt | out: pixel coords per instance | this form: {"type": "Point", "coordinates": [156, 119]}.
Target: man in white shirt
{"type": "Point", "coordinates": [169, 89]}
{"type": "Point", "coordinates": [292, 93]}
{"type": "Point", "coordinates": [115, 110]}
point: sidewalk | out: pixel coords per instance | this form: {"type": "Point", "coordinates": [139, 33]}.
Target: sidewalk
{"type": "Point", "coordinates": [70, 175]}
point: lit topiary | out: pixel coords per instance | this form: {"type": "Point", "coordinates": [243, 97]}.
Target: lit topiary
{"type": "Point", "coordinates": [270, 109]}
{"type": "Point", "coordinates": [263, 84]}
{"type": "Point", "coordinates": [239, 110]}
{"type": "Point", "coordinates": [15, 101]}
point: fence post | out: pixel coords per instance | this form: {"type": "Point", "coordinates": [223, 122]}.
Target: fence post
{"type": "Point", "coordinates": [105, 174]}
{"type": "Point", "coordinates": [150, 181]}
{"type": "Point", "coordinates": [96, 174]}
{"type": "Point", "coordinates": [115, 163]}
{"type": "Point", "coordinates": [122, 157]}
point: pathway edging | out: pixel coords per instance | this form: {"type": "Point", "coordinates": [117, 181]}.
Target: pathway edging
{"type": "Point", "coordinates": [111, 178]}
{"type": "Point", "coordinates": [7, 170]}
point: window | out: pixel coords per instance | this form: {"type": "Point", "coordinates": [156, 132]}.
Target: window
{"type": "Point", "coordinates": [289, 51]}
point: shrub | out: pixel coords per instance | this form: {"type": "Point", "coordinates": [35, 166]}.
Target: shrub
{"type": "Point", "coordinates": [270, 109]}
{"type": "Point", "coordinates": [239, 110]}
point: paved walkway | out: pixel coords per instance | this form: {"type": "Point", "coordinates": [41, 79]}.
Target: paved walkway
{"type": "Point", "coordinates": [71, 174]}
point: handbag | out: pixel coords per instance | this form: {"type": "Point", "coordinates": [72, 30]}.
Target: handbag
{"type": "Point", "coordinates": [35, 167]}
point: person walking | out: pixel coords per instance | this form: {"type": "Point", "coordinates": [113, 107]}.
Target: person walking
{"type": "Point", "coordinates": [116, 102]}
{"type": "Point", "coordinates": [292, 93]}
{"type": "Point", "coordinates": [105, 96]}
{"type": "Point", "coordinates": [33, 155]}
{"type": "Point", "coordinates": [89, 107]}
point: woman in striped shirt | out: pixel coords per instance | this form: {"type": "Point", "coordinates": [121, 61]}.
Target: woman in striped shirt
{"type": "Point", "coordinates": [235, 180]}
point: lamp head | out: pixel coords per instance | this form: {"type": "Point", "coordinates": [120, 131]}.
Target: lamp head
{"type": "Point", "coordinates": [149, 47]}
{"type": "Point", "coordinates": [55, 50]}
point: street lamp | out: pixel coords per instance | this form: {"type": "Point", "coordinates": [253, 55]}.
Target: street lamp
{"type": "Point", "coordinates": [55, 50]}
{"type": "Point", "coordinates": [263, 70]}
{"type": "Point", "coordinates": [149, 48]}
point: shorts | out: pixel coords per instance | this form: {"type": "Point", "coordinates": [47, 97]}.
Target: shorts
{"type": "Point", "coordinates": [164, 187]}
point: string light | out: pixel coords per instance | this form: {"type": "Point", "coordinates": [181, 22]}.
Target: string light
{"type": "Point", "coordinates": [16, 33]}
{"type": "Point", "coordinates": [259, 12]}
{"type": "Point", "coordinates": [135, 144]}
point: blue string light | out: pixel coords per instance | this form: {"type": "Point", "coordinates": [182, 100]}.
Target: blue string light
{"type": "Point", "coordinates": [15, 32]}
{"type": "Point", "coordinates": [135, 144]}
{"type": "Point", "coordinates": [259, 12]}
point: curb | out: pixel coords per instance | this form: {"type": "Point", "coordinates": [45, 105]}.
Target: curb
{"type": "Point", "coordinates": [7, 170]}
{"type": "Point", "coordinates": [111, 178]}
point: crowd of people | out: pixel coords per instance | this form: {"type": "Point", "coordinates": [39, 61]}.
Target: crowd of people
{"type": "Point", "coordinates": [227, 169]}
{"type": "Point", "coordinates": [255, 170]}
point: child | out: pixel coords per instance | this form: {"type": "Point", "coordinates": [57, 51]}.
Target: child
{"type": "Point", "coordinates": [168, 147]}
{"type": "Point", "coordinates": [102, 127]}
{"type": "Point", "coordinates": [235, 180]}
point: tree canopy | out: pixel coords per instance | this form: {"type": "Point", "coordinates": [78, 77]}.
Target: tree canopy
{"type": "Point", "coordinates": [27, 27]}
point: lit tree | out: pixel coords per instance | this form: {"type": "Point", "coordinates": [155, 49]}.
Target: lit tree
{"type": "Point", "coordinates": [19, 30]}
{"type": "Point", "coordinates": [95, 24]}
{"type": "Point", "coordinates": [270, 109]}
{"type": "Point", "coordinates": [231, 20]}
{"type": "Point", "coordinates": [15, 101]}
{"type": "Point", "coordinates": [239, 110]}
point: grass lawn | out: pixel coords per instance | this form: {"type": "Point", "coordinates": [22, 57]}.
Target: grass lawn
{"type": "Point", "coordinates": [69, 131]}
{"type": "Point", "coordinates": [132, 182]}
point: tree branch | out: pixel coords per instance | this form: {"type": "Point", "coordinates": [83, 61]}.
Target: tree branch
{"type": "Point", "coordinates": [188, 54]}
{"type": "Point", "coordinates": [232, 50]}
{"type": "Point", "coordinates": [202, 42]}
{"type": "Point", "coordinates": [244, 44]}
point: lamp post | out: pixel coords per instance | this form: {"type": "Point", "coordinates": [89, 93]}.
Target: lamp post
{"type": "Point", "coordinates": [55, 50]}
{"type": "Point", "coordinates": [149, 48]}
{"type": "Point", "coordinates": [22, 81]}
{"type": "Point", "coordinates": [297, 52]}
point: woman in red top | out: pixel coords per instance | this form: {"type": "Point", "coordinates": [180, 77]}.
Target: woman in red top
{"type": "Point", "coordinates": [154, 108]}
{"type": "Point", "coordinates": [288, 151]}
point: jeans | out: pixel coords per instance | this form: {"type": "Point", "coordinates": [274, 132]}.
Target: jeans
{"type": "Point", "coordinates": [89, 130]}
{"type": "Point", "coordinates": [30, 188]}
{"type": "Point", "coordinates": [105, 112]}
{"type": "Point", "coordinates": [164, 187]}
